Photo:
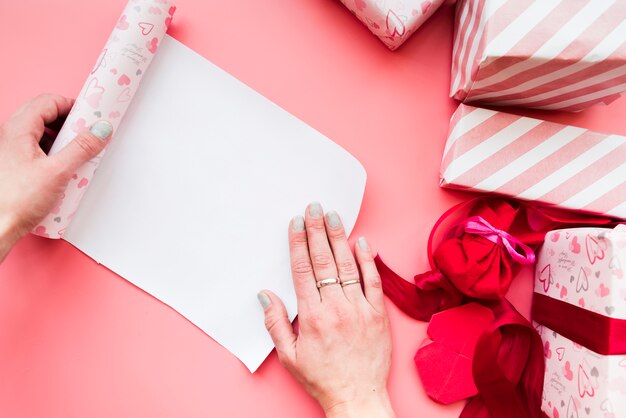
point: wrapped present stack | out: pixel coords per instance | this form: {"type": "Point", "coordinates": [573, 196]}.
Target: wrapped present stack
{"type": "Point", "coordinates": [580, 312]}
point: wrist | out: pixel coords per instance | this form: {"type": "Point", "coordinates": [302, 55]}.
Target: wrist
{"type": "Point", "coordinates": [375, 406]}
{"type": "Point", "coordinates": [8, 236]}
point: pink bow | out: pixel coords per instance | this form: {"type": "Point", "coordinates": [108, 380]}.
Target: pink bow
{"type": "Point", "coordinates": [479, 226]}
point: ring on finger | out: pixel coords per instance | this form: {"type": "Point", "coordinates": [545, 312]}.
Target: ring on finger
{"type": "Point", "coordinates": [349, 282]}
{"type": "Point", "coordinates": [327, 282]}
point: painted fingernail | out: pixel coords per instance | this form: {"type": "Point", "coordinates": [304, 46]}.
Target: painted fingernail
{"type": "Point", "coordinates": [297, 224]}
{"type": "Point", "coordinates": [102, 129]}
{"type": "Point", "coordinates": [333, 219]}
{"type": "Point", "coordinates": [264, 300]}
{"type": "Point", "coordinates": [363, 244]}
{"type": "Point", "coordinates": [315, 210]}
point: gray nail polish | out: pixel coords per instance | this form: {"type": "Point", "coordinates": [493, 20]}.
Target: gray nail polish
{"type": "Point", "coordinates": [102, 129]}
{"type": "Point", "coordinates": [315, 210]}
{"type": "Point", "coordinates": [297, 224]}
{"type": "Point", "coordinates": [333, 219]}
{"type": "Point", "coordinates": [264, 300]}
{"type": "Point", "coordinates": [363, 244]}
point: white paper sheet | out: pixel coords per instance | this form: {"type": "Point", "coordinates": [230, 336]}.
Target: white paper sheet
{"type": "Point", "coordinates": [192, 200]}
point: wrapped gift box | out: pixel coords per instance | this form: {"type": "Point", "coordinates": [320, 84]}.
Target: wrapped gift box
{"type": "Point", "coordinates": [531, 159]}
{"type": "Point", "coordinates": [549, 54]}
{"type": "Point", "coordinates": [393, 21]}
{"type": "Point", "coordinates": [580, 311]}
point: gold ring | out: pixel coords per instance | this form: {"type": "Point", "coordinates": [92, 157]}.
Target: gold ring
{"type": "Point", "coordinates": [327, 282]}
{"type": "Point", "coordinates": [349, 282]}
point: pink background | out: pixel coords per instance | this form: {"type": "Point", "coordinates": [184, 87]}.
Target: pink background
{"type": "Point", "coordinates": [77, 340]}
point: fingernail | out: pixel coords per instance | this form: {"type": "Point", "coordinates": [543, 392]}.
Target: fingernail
{"type": "Point", "coordinates": [264, 300]}
{"type": "Point", "coordinates": [315, 210]}
{"type": "Point", "coordinates": [333, 219]}
{"type": "Point", "coordinates": [363, 244]}
{"type": "Point", "coordinates": [297, 224]}
{"type": "Point", "coordinates": [102, 129]}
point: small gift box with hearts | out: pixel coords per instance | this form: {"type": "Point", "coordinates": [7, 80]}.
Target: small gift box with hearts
{"type": "Point", "coordinates": [579, 309]}
{"type": "Point", "coordinates": [393, 21]}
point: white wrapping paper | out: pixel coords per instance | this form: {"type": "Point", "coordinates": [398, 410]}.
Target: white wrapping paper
{"type": "Point", "coordinates": [107, 94]}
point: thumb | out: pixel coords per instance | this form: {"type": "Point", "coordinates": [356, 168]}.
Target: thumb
{"type": "Point", "coordinates": [84, 147]}
{"type": "Point", "coordinates": [279, 327]}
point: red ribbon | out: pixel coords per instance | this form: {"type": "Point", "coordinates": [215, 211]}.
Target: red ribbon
{"type": "Point", "coordinates": [508, 363]}
{"type": "Point", "coordinates": [508, 367]}
{"type": "Point", "coordinates": [609, 334]}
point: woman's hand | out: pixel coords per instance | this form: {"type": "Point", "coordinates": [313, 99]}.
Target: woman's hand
{"type": "Point", "coordinates": [342, 351]}
{"type": "Point", "coordinates": [30, 181]}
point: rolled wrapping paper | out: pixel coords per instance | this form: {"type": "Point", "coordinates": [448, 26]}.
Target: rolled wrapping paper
{"type": "Point", "coordinates": [106, 95]}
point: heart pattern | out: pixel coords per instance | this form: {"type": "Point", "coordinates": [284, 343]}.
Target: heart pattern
{"type": "Point", "coordinates": [582, 271]}
{"type": "Point", "coordinates": [107, 94]}
{"type": "Point", "coordinates": [146, 28]}
{"type": "Point", "coordinates": [395, 25]}
{"type": "Point", "coordinates": [393, 21]}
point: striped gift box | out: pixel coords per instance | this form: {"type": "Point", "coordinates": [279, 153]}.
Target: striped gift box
{"type": "Point", "coordinates": [531, 159]}
{"type": "Point", "coordinates": [545, 54]}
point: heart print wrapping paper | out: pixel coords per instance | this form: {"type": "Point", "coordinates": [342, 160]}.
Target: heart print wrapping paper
{"type": "Point", "coordinates": [583, 267]}
{"type": "Point", "coordinates": [106, 95]}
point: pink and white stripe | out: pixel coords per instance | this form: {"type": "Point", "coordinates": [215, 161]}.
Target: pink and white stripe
{"type": "Point", "coordinates": [531, 159]}
{"type": "Point", "coordinates": [544, 54]}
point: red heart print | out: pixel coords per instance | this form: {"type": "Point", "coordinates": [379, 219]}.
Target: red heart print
{"type": "Point", "coordinates": [563, 292]}
{"type": "Point", "coordinates": [581, 302]}
{"type": "Point", "coordinates": [360, 4]}
{"type": "Point", "coordinates": [82, 183]}
{"type": "Point", "coordinates": [146, 28]}
{"type": "Point", "coordinates": [574, 246]}
{"type": "Point", "coordinates": [41, 231]}
{"type": "Point", "coordinates": [122, 24]}
{"type": "Point", "coordinates": [425, 6]}
{"type": "Point", "coordinates": [545, 277]}
{"type": "Point", "coordinates": [584, 384]}
{"type": "Point", "coordinates": [560, 352]}
{"type": "Point", "coordinates": [555, 413]}
{"type": "Point", "coordinates": [555, 237]}
{"type": "Point", "coordinates": [594, 250]}
{"type": "Point", "coordinates": [395, 25]}
{"type": "Point", "coordinates": [124, 80]}
{"type": "Point", "coordinates": [152, 45]}
{"type": "Point", "coordinates": [603, 291]}
{"type": "Point", "coordinates": [546, 350]}
{"type": "Point", "coordinates": [93, 93]}
{"type": "Point", "coordinates": [171, 11]}
{"type": "Point", "coordinates": [567, 371]}
{"type": "Point", "coordinates": [79, 125]}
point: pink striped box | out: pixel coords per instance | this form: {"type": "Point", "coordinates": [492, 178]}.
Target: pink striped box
{"type": "Point", "coordinates": [531, 159]}
{"type": "Point", "coordinates": [548, 54]}
{"type": "Point", "coordinates": [393, 21]}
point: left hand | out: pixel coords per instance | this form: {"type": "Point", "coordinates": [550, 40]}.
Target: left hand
{"type": "Point", "coordinates": [30, 181]}
{"type": "Point", "coordinates": [342, 351]}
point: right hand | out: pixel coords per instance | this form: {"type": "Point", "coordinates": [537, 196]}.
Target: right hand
{"type": "Point", "coordinates": [342, 351]}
